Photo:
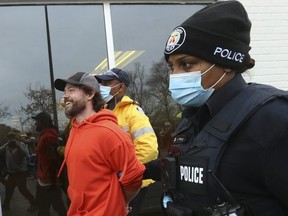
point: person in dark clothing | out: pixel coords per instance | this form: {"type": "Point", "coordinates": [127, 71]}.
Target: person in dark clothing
{"type": "Point", "coordinates": [231, 144]}
{"type": "Point", "coordinates": [165, 137]}
{"type": "Point", "coordinates": [48, 191]}
{"type": "Point", "coordinates": [16, 154]}
{"type": "Point", "coordinates": [3, 170]}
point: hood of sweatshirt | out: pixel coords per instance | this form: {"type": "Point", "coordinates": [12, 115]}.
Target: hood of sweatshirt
{"type": "Point", "coordinates": [102, 115]}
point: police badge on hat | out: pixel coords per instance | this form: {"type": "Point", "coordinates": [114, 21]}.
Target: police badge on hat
{"type": "Point", "coordinates": [175, 40]}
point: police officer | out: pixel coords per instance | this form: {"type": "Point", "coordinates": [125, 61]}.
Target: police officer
{"type": "Point", "coordinates": [231, 145]}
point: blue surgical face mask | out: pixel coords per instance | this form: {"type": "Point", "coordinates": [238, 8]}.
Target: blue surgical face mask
{"type": "Point", "coordinates": [105, 92]}
{"type": "Point", "coordinates": [186, 88]}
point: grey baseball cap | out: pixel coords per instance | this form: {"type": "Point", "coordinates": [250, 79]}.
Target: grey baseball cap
{"type": "Point", "coordinates": [79, 78]}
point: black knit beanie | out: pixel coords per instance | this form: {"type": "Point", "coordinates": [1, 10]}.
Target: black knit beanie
{"type": "Point", "coordinates": [218, 33]}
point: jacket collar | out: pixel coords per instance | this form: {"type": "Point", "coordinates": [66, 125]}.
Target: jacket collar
{"type": "Point", "coordinates": [217, 101]}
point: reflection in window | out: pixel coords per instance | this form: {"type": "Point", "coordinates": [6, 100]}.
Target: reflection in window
{"type": "Point", "coordinates": [78, 43]}
{"type": "Point", "coordinates": [23, 55]}
{"type": "Point", "coordinates": [145, 28]}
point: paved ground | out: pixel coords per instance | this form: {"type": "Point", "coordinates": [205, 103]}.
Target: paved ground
{"type": "Point", "coordinates": [19, 204]}
{"type": "Point", "coordinates": [151, 205]}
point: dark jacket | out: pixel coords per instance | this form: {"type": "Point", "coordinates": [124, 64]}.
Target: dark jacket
{"type": "Point", "coordinates": [251, 166]}
{"type": "Point", "coordinates": [47, 158]}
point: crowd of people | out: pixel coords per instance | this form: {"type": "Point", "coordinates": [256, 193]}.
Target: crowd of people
{"type": "Point", "coordinates": [38, 159]}
{"type": "Point", "coordinates": [226, 156]}
{"type": "Point", "coordinates": [15, 154]}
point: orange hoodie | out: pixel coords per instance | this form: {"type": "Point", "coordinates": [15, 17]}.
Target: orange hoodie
{"type": "Point", "coordinates": [97, 151]}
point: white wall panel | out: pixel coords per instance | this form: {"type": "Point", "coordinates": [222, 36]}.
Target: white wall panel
{"type": "Point", "coordinates": [269, 41]}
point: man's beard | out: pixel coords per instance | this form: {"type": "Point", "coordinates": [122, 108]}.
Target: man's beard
{"type": "Point", "coordinates": [75, 108]}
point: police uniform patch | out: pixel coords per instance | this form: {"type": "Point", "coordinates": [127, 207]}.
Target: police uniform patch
{"type": "Point", "coordinates": [193, 174]}
{"type": "Point", "coordinates": [175, 40]}
{"type": "Point", "coordinates": [180, 139]}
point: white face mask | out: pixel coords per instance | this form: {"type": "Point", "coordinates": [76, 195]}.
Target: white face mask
{"type": "Point", "coordinates": [105, 92]}
{"type": "Point", "coordinates": [186, 88]}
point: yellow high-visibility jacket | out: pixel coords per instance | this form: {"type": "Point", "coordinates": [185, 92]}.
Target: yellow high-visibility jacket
{"type": "Point", "coordinates": [133, 120]}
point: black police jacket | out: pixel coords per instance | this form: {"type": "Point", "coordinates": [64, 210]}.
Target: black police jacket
{"type": "Point", "coordinates": [250, 164]}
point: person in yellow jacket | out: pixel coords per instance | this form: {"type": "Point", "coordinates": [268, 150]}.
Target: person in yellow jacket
{"type": "Point", "coordinates": [131, 118]}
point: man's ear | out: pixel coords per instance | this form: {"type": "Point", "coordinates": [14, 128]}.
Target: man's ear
{"type": "Point", "coordinates": [122, 87]}
{"type": "Point", "coordinates": [91, 95]}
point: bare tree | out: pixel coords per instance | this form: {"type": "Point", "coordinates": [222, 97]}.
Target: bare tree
{"type": "Point", "coordinates": [150, 89]}
{"type": "Point", "coordinates": [39, 99]}
{"type": "Point", "coordinates": [165, 109]}
{"type": "Point", "coordinates": [22, 118]}
{"type": "Point", "coordinates": [136, 86]}
{"type": "Point", "coordinates": [4, 114]}
{"type": "Point", "coordinates": [138, 90]}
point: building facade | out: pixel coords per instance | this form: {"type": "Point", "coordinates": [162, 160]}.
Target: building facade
{"type": "Point", "coordinates": [44, 40]}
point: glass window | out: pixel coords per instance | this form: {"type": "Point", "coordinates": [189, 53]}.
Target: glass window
{"type": "Point", "coordinates": [23, 55]}
{"type": "Point", "coordinates": [78, 43]}
{"type": "Point", "coordinates": [140, 33]}
{"type": "Point", "coordinates": [77, 40]}
{"type": "Point", "coordinates": [145, 29]}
